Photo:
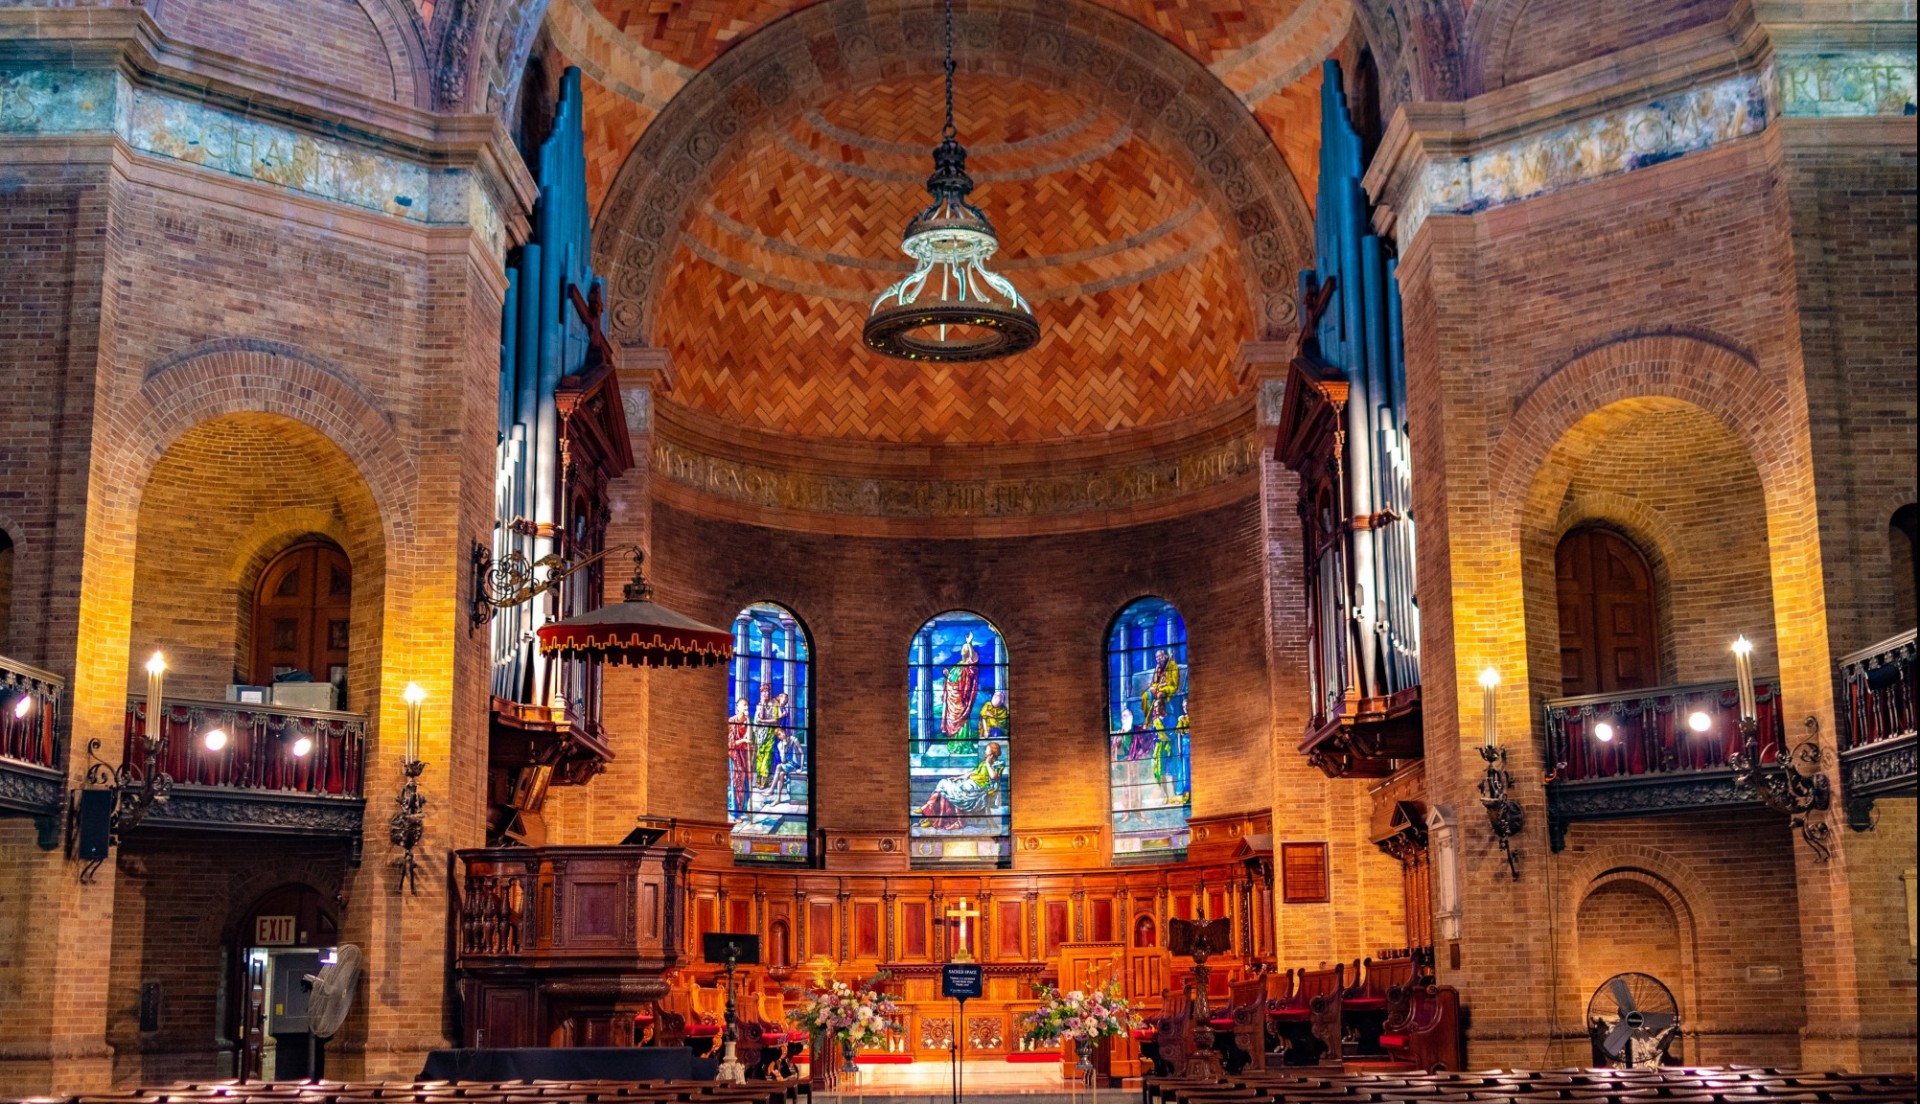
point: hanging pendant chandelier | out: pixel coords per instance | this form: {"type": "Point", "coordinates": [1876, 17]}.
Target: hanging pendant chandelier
{"type": "Point", "coordinates": [952, 307]}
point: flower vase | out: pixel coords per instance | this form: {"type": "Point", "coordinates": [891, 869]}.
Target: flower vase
{"type": "Point", "coordinates": [847, 1052]}
{"type": "Point", "coordinates": [1084, 1049]}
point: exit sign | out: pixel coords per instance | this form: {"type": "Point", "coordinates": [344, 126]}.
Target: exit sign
{"type": "Point", "coordinates": [273, 931]}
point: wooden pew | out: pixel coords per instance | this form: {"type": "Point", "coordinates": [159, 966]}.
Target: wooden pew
{"type": "Point", "coordinates": [1369, 1004]}
{"type": "Point", "coordinates": [1428, 1035]}
{"type": "Point", "coordinates": [1308, 1020]}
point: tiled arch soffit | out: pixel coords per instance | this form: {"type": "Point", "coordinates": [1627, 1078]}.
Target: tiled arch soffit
{"type": "Point", "coordinates": [795, 61]}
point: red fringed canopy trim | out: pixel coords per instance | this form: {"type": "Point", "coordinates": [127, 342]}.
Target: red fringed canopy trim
{"type": "Point", "coordinates": [641, 646]}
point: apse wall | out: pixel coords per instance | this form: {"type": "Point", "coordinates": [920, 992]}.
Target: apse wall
{"type": "Point", "coordinates": [1052, 597]}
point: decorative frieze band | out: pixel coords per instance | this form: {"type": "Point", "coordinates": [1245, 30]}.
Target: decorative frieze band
{"type": "Point", "coordinates": [1619, 139]}
{"type": "Point", "coordinates": [1124, 486]}
{"type": "Point", "coordinates": [58, 102]}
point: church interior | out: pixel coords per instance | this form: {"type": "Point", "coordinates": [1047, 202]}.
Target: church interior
{"type": "Point", "coordinates": [1373, 537]}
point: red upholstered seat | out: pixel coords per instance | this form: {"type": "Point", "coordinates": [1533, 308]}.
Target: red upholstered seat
{"type": "Point", "coordinates": [1145, 1034]}
{"type": "Point", "coordinates": [1291, 1015]}
{"type": "Point", "coordinates": [1364, 1004]}
{"type": "Point", "coordinates": [703, 1030]}
{"type": "Point", "coordinates": [643, 1017]}
{"type": "Point", "coordinates": [1393, 1040]}
{"type": "Point", "coordinates": [1221, 1023]}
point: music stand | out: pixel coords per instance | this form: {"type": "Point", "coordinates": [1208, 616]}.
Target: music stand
{"type": "Point", "coordinates": [730, 948]}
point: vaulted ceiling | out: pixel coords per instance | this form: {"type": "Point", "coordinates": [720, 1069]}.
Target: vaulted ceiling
{"type": "Point", "coordinates": [1147, 268]}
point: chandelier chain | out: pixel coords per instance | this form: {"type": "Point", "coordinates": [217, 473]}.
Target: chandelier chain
{"type": "Point", "coordinates": [948, 131]}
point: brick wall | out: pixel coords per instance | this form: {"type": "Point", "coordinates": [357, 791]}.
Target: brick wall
{"type": "Point", "coordinates": [1705, 904]}
{"type": "Point", "coordinates": [1052, 598]}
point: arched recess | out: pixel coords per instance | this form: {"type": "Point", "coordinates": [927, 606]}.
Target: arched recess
{"type": "Point", "coordinates": [225, 501]}
{"type": "Point", "coordinates": [1632, 921]}
{"type": "Point", "coordinates": [1570, 426]}
{"type": "Point", "coordinates": [300, 919]}
{"type": "Point", "coordinates": [834, 45]}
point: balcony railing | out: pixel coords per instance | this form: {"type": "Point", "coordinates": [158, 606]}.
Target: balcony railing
{"type": "Point", "coordinates": [1877, 733]}
{"type": "Point", "coordinates": [1647, 752]}
{"type": "Point", "coordinates": [278, 769]}
{"type": "Point", "coordinates": [32, 770]}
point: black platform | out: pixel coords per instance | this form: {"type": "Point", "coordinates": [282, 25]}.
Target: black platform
{"type": "Point", "coordinates": [567, 1064]}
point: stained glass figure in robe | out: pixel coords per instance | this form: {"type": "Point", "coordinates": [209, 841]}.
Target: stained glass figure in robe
{"type": "Point", "coordinates": [770, 736]}
{"type": "Point", "coordinates": [1150, 750]}
{"type": "Point", "coordinates": [960, 748]}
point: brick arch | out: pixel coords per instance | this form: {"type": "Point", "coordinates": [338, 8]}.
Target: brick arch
{"type": "Point", "coordinates": [1686, 927]}
{"type": "Point", "coordinates": [1508, 41]}
{"type": "Point", "coordinates": [248, 886]}
{"type": "Point", "coordinates": [248, 376]}
{"type": "Point", "coordinates": [1646, 372]}
{"type": "Point", "coordinates": [1417, 45]}
{"type": "Point", "coordinates": [836, 44]}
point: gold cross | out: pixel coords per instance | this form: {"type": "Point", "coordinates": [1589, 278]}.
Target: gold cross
{"type": "Point", "coordinates": [962, 914]}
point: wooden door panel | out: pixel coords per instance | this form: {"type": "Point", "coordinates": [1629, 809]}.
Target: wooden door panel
{"type": "Point", "coordinates": [1609, 628]}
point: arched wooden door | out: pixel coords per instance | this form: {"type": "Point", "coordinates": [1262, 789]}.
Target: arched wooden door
{"type": "Point", "coordinates": [302, 614]}
{"type": "Point", "coordinates": [1609, 630]}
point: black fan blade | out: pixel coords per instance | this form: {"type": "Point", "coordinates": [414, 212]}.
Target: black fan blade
{"type": "Point", "coordinates": [1656, 1022]}
{"type": "Point", "coordinates": [1622, 995]}
{"type": "Point", "coordinates": [1616, 1044]}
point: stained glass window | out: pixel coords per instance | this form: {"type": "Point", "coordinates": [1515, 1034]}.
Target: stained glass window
{"type": "Point", "coordinates": [960, 754]}
{"type": "Point", "coordinates": [1150, 754]}
{"type": "Point", "coordinates": [770, 736]}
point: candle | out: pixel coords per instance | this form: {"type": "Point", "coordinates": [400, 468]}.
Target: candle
{"type": "Point", "coordinates": [1489, 683]}
{"type": "Point", "coordinates": [413, 696]}
{"type": "Point", "coordinates": [156, 677]}
{"type": "Point", "coordinates": [1743, 674]}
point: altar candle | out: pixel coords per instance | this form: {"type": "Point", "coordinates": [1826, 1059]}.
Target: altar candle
{"type": "Point", "coordinates": [1743, 674]}
{"type": "Point", "coordinates": [1489, 683]}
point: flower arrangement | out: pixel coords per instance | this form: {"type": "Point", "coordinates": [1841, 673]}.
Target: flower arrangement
{"type": "Point", "coordinates": [1079, 1016]}
{"type": "Point", "coordinates": [860, 1015]}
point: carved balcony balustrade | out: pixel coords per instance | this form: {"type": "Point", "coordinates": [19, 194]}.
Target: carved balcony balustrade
{"type": "Point", "coordinates": [1877, 726]}
{"type": "Point", "coordinates": [32, 766]}
{"type": "Point", "coordinates": [1651, 752]}
{"type": "Point", "coordinates": [277, 770]}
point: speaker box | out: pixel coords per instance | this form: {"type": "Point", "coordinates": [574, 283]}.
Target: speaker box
{"type": "Point", "coordinates": [94, 815]}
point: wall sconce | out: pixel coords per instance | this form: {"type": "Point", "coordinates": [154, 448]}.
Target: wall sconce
{"type": "Point", "coordinates": [408, 825]}
{"type": "Point", "coordinates": [134, 790]}
{"type": "Point", "coordinates": [1504, 814]}
{"type": "Point", "coordinates": [1793, 784]}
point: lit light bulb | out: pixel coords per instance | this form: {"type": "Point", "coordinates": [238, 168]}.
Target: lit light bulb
{"type": "Point", "coordinates": [1742, 646]}
{"type": "Point", "coordinates": [215, 739]}
{"type": "Point", "coordinates": [1699, 720]}
{"type": "Point", "coordinates": [413, 694]}
{"type": "Point", "coordinates": [1603, 732]}
{"type": "Point", "coordinates": [157, 665]}
{"type": "Point", "coordinates": [22, 707]}
{"type": "Point", "coordinates": [1489, 678]}
{"type": "Point", "coordinates": [301, 747]}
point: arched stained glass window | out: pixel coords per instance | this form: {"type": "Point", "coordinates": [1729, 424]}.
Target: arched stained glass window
{"type": "Point", "coordinates": [1150, 754]}
{"type": "Point", "coordinates": [960, 754]}
{"type": "Point", "coordinates": [770, 736]}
